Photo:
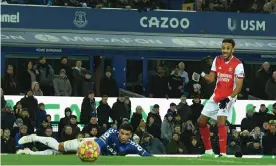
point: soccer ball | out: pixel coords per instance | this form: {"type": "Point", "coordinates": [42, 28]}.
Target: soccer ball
{"type": "Point", "coordinates": [88, 151]}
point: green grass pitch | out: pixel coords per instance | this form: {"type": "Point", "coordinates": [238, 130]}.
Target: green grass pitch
{"type": "Point", "coordinates": [108, 160]}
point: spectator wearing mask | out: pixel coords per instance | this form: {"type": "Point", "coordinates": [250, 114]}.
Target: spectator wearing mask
{"type": "Point", "coordinates": [167, 128]}
{"type": "Point", "coordinates": [66, 134]}
{"type": "Point", "coordinates": [261, 116]}
{"type": "Point", "coordinates": [45, 74]}
{"type": "Point", "coordinates": [27, 77]}
{"type": "Point", "coordinates": [183, 109]}
{"type": "Point", "coordinates": [17, 109]}
{"type": "Point", "coordinates": [172, 110]}
{"type": "Point", "coordinates": [41, 130]}
{"type": "Point", "coordinates": [8, 82]}
{"type": "Point", "coordinates": [152, 145]}
{"type": "Point", "coordinates": [255, 148]}
{"type": "Point", "coordinates": [88, 107]}
{"type": "Point", "coordinates": [7, 143]}
{"type": "Point", "coordinates": [119, 111]}
{"type": "Point", "coordinates": [93, 123]}
{"type": "Point", "coordinates": [48, 132]}
{"type": "Point", "coordinates": [103, 112]}
{"type": "Point", "coordinates": [7, 117]}
{"type": "Point", "coordinates": [31, 103]}
{"type": "Point", "coordinates": [196, 109]}
{"type": "Point", "coordinates": [269, 143]}
{"type": "Point", "coordinates": [65, 120]}
{"type": "Point", "coordinates": [175, 146]}
{"type": "Point", "coordinates": [136, 117]}
{"type": "Point", "coordinates": [248, 123]}
{"type": "Point", "coordinates": [3, 101]}
{"type": "Point", "coordinates": [62, 84]}
{"type": "Point", "coordinates": [108, 85]}
{"type": "Point", "coordinates": [158, 84]}
{"type": "Point", "coordinates": [262, 76]}
{"type": "Point", "coordinates": [74, 126]}
{"type": "Point", "coordinates": [25, 116]}
{"type": "Point", "coordinates": [78, 74]}
{"type": "Point", "coordinates": [41, 114]}
{"type": "Point", "coordinates": [270, 87]}
{"type": "Point", "coordinates": [64, 65]}
{"type": "Point", "coordinates": [195, 147]}
{"type": "Point", "coordinates": [36, 89]}
{"type": "Point", "coordinates": [175, 84]}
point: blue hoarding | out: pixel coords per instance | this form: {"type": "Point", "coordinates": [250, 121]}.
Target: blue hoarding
{"type": "Point", "coordinates": [123, 20]}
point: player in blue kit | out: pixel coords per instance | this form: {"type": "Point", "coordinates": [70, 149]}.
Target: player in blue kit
{"type": "Point", "coordinates": [112, 142]}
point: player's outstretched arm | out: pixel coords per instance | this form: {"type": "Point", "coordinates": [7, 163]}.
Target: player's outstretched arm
{"type": "Point", "coordinates": [136, 148]}
{"type": "Point", "coordinates": [104, 139]}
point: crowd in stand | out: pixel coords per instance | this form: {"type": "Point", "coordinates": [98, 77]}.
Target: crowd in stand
{"type": "Point", "coordinates": [268, 6]}
{"type": "Point", "coordinates": [176, 134]}
{"type": "Point", "coordinates": [74, 80]}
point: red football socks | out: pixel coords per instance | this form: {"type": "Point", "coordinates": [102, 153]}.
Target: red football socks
{"type": "Point", "coordinates": [222, 132]}
{"type": "Point", "coordinates": [205, 136]}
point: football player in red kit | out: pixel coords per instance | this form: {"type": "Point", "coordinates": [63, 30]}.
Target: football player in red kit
{"type": "Point", "coordinates": [229, 73]}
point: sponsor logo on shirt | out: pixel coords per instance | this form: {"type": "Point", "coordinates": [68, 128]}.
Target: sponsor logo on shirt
{"type": "Point", "coordinates": [224, 77]}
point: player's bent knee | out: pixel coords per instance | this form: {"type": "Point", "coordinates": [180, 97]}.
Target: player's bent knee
{"type": "Point", "coordinates": [202, 121]}
{"type": "Point", "coordinates": [221, 120]}
{"type": "Point", "coordinates": [61, 147]}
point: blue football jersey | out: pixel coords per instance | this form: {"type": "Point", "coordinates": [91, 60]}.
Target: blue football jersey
{"type": "Point", "coordinates": [110, 145]}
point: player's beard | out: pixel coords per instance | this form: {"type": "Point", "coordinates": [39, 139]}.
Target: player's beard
{"type": "Point", "coordinates": [229, 55]}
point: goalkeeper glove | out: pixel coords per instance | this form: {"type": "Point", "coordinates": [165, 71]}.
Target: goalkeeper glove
{"type": "Point", "coordinates": [223, 103]}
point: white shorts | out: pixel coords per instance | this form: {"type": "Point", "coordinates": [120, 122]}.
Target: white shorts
{"type": "Point", "coordinates": [211, 109]}
{"type": "Point", "coordinates": [72, 145]}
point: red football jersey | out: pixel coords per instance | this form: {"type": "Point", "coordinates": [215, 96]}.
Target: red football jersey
{"type": "Point", "coordinates": [227, 72]}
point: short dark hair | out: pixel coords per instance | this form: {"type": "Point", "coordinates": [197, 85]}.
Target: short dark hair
{"type": "Point", "coordinates": [229, 40]}
{"type": "Point", "coordinates": [73, 116]}
{"type": "Point", "coordinates": [41, 104]}
{"type": "Point", "coordinates": [172, 104]}
{"type": "Point", "coordinates": [63, 57]}
{"type": "Point", "coordinates": [127, 127]}
{"type": "Point", "coordinates": [104, 96]}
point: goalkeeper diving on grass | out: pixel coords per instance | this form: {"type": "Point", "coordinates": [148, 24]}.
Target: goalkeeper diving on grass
{"type": "Point", "coordinates": [112, 142]}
